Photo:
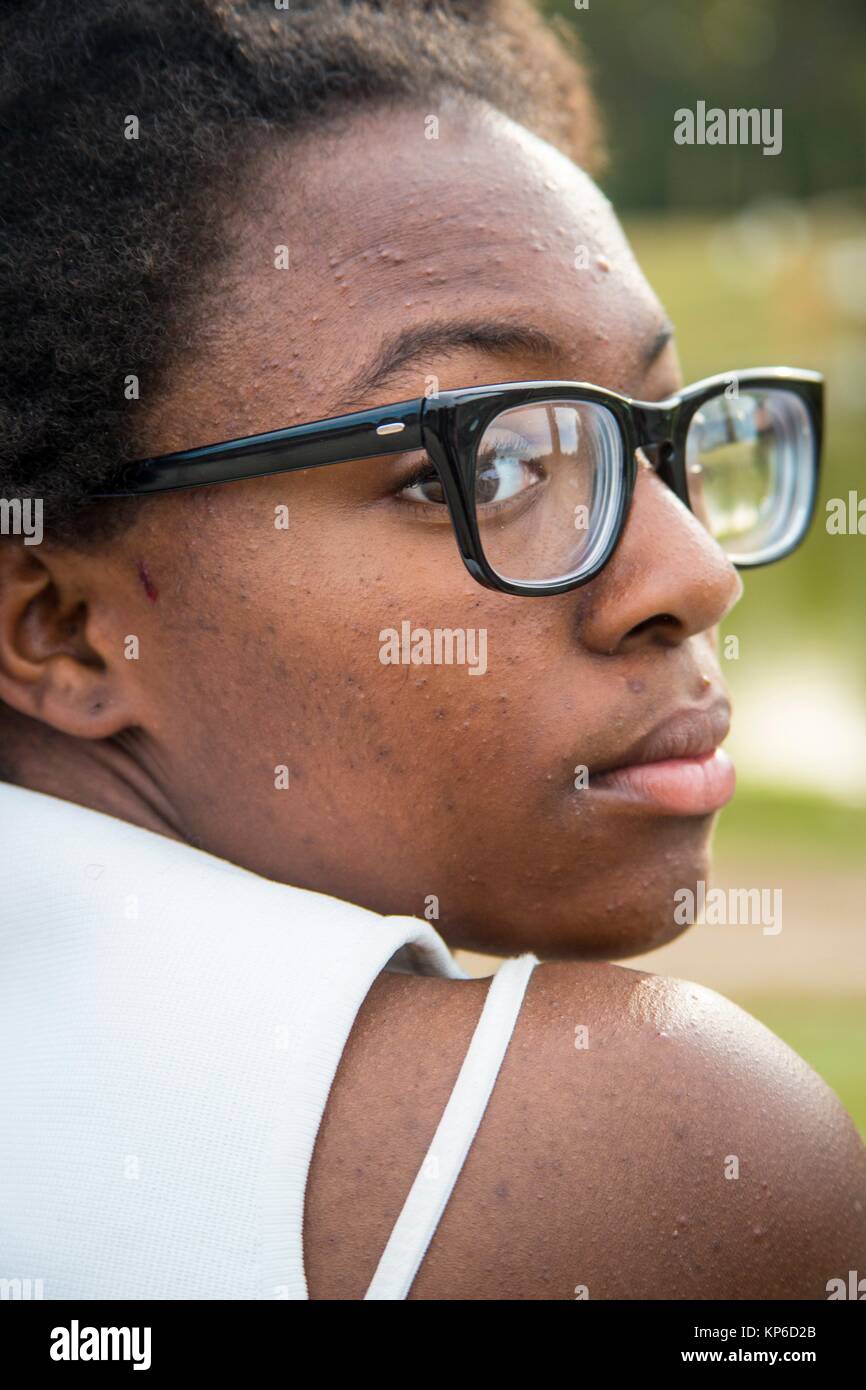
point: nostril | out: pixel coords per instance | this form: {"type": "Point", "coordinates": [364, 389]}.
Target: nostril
{"type": "Point", "coordinates": [665, 621]}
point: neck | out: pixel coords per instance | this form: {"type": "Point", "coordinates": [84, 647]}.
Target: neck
{"type": "Point", "coordinates": [108, 775]}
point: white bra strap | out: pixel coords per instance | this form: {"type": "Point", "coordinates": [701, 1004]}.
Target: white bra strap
{"type": "Point", "coordinates": [428, 1197]}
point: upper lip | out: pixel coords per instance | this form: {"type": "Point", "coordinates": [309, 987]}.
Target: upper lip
{"type": "Point", "coordinates": [690, 733]}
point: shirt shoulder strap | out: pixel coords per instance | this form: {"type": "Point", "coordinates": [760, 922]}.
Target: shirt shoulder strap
{"type": "Point", "coordinates": [429, 1194]}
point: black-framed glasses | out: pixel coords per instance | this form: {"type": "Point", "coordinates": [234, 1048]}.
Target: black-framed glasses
{"type": "Point", "coordinates": [537, 476]}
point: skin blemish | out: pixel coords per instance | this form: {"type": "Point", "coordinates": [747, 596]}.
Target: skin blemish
{"type": "Point", "coordinates": [146, 582]}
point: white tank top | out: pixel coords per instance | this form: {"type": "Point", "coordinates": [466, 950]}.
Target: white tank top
{"type": "Point", "coordinates": [170, 1026]}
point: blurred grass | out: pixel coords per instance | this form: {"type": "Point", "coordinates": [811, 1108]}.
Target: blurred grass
{"type": "Point", "coordinates": [814, 829]}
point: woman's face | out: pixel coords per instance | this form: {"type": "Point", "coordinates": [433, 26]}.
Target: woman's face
{"type": "Point", "coordinates": [260, 606]}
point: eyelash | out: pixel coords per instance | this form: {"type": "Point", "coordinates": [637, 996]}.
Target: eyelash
{"type": "Point", "coordinates": [419, 475]}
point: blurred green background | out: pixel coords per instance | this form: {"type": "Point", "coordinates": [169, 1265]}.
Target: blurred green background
{"type": "Point", "coordinates": [761, 260]}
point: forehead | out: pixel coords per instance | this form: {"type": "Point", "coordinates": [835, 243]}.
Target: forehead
{"type": "Point", "coordinates": [368, 227]}
{"type": "Point", "coordinates": [481, 197]}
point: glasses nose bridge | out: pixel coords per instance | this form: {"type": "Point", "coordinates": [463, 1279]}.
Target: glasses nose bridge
{"type": "Point", "coordinates": [654, 431]}
{"type": "Point", "coordinates": [653, 425]}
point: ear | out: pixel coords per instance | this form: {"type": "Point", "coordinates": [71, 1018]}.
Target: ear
{"type": "Point", "coordinates": [60, 662]}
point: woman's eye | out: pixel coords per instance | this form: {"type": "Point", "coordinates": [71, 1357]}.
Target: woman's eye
{"type": "Point", "coordinates": [503, 471]}
{"type": "Point", "coordinates": [502, 474]}
{"type": "Point", "coordinates": [424, 487]}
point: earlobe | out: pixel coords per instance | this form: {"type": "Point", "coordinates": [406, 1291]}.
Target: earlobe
{"type": "Point", "coordinates": [53, 666]}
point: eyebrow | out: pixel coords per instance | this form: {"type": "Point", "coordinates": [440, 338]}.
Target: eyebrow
{"type": "Point", "coordinates": [498, 336]}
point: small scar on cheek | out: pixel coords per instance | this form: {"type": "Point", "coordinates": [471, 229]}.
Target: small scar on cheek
{"type": "Point", "coordinates": [146, 582]}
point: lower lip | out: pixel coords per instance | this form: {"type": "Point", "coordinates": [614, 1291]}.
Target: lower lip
{"type": "Point", "coordinates": [678, 787]}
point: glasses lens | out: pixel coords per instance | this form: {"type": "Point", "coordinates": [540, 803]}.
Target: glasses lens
{"type": "Point", "coordinates": [750, 471]}
{"type": "Point", "coordinates": [548, 489]}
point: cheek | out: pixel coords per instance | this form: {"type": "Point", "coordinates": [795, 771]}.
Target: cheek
{"type": "Point", "coordinates": [355, 648]}
{"type": "Point", "coordinates": [413, 678]}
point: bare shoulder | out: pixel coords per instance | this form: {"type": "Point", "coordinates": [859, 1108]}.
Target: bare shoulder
{"type": "Point", "coordinates": [654, 1140]}
{"type": "Point", "coordinates": [646, 1138]}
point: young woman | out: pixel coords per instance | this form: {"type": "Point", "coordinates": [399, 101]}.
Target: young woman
{"type": "Point", "coordinates": [285, 719]}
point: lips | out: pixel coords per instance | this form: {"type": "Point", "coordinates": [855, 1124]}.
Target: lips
{"type": "Point", "coordinates": [690, 733]}
{"type": "Point", "coordinates": [677, 768]}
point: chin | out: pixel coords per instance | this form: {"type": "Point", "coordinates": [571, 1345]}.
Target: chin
{"type": "Point", "coordinates": [628, 909]}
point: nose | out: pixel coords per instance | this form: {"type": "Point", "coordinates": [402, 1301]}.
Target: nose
{"type": "Point", "coordinates": [667, 580]}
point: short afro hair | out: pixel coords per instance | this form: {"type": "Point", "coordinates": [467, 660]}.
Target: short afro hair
{"type": "Point", "coordinates": [102, 233]}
